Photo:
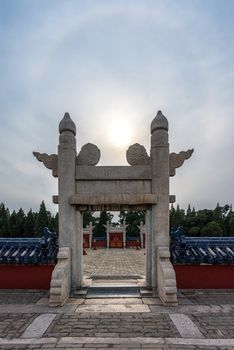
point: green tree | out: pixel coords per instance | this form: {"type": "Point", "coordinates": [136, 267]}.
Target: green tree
{"type": "Point", "coordinates": [30, 223]}
{"type": "Point", "coordinates": [100, 230]}
{"type": "Point", "coordinates": [213, 228]}
{"type": "Point", "coordinates": [13, 225]}
{"type": "Point", "coordinates": [20, 222]}
{"type": "Point", "coordinates": [133, 220]}
{"type": "Point", "coordinates": [43, 219]}
{"type": "Point", "coordinates": [87, 218]}
{"type": "Point", "coordinates": [4, 220]}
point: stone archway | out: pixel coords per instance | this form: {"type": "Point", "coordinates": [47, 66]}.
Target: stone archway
{"type": "Point", "coordinates": [144, 185]}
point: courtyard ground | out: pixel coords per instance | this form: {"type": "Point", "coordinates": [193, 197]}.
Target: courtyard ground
{"type": "Point", "coordinates": [115, 311]}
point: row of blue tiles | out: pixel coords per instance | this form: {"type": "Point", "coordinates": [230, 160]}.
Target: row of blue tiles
{"type": "Point", "coordinates": [41, 250]}
{"type": "Point", "coordinates": [201, 250]}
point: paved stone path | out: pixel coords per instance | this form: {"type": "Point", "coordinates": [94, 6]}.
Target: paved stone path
{"type": "Point", "coordinates": [114, 262]}
{"type": "Point", "coordinates": [202, 320]}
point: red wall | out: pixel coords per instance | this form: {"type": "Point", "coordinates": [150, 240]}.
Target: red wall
{"type": "Point", "coordinates": [205, 276]}
{"type": "Point", "coordinates": [25, 276]}
{"type": "Point", "coordinates": [188, 276]}
{"type": "Point", "coordinates": [98, 244]}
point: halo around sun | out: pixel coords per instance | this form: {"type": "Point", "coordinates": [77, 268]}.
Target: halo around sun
{"type": "Point", "coordinates": [120, 134]}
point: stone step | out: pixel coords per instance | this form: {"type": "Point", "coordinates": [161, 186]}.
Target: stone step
{"type": "Point", "coordinates": [113, 292]}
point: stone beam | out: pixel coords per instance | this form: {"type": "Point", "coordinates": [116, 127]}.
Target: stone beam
{"type": "Point", "coordinates": [84, 172]}
{"type": "Point", "coordinates": [109, 199]}
{"type": "Point", "coordinates": [55, 198]}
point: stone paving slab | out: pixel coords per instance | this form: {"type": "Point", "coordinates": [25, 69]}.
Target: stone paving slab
{"type": "Point", "coordinates": [117, 343]}
{"type": "Point", "coordinates": [97, 308]}
{"type": "Point", "coordinates": [115, 301]}
{"type": "Point", "coordinates": [114, 262]}
{"type": "Point", "coordinates": [13, 325]}
{"type": "Point", "coordinates": [113, 324]}
{"type": "Point", "coordinates": [215, 326]}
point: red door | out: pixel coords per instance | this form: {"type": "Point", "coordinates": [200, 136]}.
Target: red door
{"type": "Point", "coordinates": [116, 240]}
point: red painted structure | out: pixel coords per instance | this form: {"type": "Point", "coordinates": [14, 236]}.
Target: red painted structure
{"type": "Point", "coordinates": [205, 276]}
{"type": "Point", "coordinates": [25, 276]}
{"type": "Point", "coordinates": [133, 243]}
{"type": "Point", "coordinates": [98, 243]}
{"type": "Point", "coordinates": [115, 239]}
{"type": "Point", "coordinates": [187, 276]}
{"type": "Point", "coordinates": [85, 240]}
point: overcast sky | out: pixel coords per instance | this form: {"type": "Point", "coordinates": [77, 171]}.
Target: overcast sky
{"type": "Point", "coordinates": [112, 65]}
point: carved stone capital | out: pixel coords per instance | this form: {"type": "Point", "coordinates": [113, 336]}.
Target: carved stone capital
{"type": "Point", "coordinates": [50, 161]}
{"type": "Point", "coordinates": [177, 160]}
{"type": "Point", "coordinates": [159, 139]}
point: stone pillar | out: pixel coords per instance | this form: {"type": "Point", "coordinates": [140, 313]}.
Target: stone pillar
{"type": "Point", "coordinates": [148, 247]}
{"type": "Point", "coordinates": [141, 234]}
{"type": "Point", "coordinates": [90, 234]}
{"type": "Point", "coordinates": [161, 265]}
{"type": "Point", "coordinates": [124, 234]}
{"type": "Point", "coordinates": [77, 262]}
{"type": "Point", "coordinates": [66, 188]}
{"type": "Point", "coordinates": [159, 155]}
{"type": "Point", "coordinates": [107, 234]}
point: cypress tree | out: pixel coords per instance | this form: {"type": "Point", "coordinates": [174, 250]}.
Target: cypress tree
{"type": "Point", "coordinates": [43, 220]}
{"type": "Point", "coordinates": [30, 223]}
{"type": "Point", "coordinates": [4, 220]}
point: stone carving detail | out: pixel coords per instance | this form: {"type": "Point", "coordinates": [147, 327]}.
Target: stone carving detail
{"type": "Point", "coordinates": [137, 155]}
{"type": "Point", "coordinates": [167, 289]}
{"type": "Point", "coordinates": [159, 138]}
{"type": "Point", "coordinates": [49, 160]}
{"type": "Point", "coordinates": [61, 277]}
{"type": "Point", "coordinates": [177, 160]}
{"type": "Point", "coordinates": [89, 155]}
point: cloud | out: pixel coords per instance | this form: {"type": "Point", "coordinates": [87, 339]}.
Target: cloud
{"type": "Point", "coordinates": [104, 61]}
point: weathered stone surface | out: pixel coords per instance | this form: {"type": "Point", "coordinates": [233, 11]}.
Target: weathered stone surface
{"type": "Point", "coordinates": [39, 325]}
{"type": "Point", "coordinates": [67, 124]}
{"type": "Point", "coordinates": [159, 122]}
{"type": "Point", "coordinates": [129, 199]}
{"type": "Point", "coordinates": [49, 160]}
{"type": "Point", "coordinates": [185, 326]}
{"type": "Point", "coordinates": [61, 278]}
{"type": "Point", "coordinates": [89, 155]}
{"type": "Point", "coordinates": [166, 278]}
{"type": "Point", "coordinates": [137, 172]}
{"type": "Point", "coordinates": [137, 155]}
{"type": "Point", "coordinates": [177, 160]}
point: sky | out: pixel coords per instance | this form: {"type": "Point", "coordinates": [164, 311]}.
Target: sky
{"type": "Point", "coordinates": [112, 65]}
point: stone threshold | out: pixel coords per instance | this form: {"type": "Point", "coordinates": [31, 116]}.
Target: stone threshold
{"type": "Point", "coordinates": [100, 340]}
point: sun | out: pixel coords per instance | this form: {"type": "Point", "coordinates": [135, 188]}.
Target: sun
{"type": "Point", "coordinates": [120, 134]}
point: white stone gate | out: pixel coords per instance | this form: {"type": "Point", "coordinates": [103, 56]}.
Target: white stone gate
{"type": "Point", "coordinates": [144, 185]}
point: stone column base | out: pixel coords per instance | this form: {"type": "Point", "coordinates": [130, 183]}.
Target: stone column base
{"type": "Point", "coordinates": [61, 278]}
{"type": "Point", "coordinates": [166, 279]}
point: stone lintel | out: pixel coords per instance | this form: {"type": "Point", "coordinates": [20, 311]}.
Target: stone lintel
{"type": "Point", "coordinates": [113, 199]}
{"type": "Point", "coordinates": [137, 172]}
{"type": "Point", "coordinates": [55, 198]}
{"type": "Point", "coordinates": [113, 207]}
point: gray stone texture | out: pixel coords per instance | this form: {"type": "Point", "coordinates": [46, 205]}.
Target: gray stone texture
{"type": "Point", "coordinates": [137, 155]}
{"type": "Point", "coordinates": [88, 155]}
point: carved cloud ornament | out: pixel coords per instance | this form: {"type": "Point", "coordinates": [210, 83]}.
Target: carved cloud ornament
{"type": "Point", "coordinates": [137, 155]}
{"type": "Point", "coordinates": [89, 155]}
{"type": "Point", "coordinates": [49, 160]}
{"type": "Point", "coordinates": [177, 160]}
